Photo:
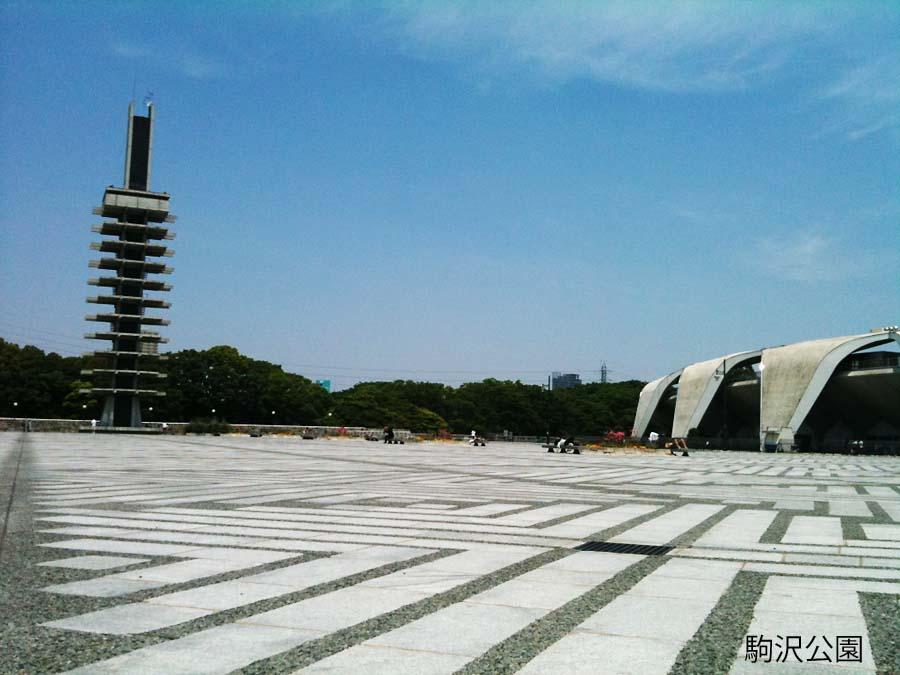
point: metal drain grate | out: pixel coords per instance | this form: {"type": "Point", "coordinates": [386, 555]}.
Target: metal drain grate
{"type": "Point", "coordinates": [635, 549]}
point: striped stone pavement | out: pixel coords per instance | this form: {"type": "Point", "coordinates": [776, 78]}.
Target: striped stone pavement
{"type": "Point", "coordinates": [215, 555]}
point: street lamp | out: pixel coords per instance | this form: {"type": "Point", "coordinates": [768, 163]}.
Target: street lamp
{"type": "Point", "coordinates": [723, 377]}
{"type": "Point", "coordinates": [762, 443]}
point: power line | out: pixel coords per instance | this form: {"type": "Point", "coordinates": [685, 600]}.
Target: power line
{"type": "Point", "coordinates": [53, 345]}
{"type": "Point", "coordinates": [324, 370]}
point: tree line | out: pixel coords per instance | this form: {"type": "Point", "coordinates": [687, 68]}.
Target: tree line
{"type": "Point", "coordinates": [222, 383]}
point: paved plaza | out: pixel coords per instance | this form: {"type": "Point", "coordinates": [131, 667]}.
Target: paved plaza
{"type": "Point", "coordinates": [128, 554]}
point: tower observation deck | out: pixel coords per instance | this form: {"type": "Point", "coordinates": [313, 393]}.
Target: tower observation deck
{"type": "Point", "coordinates": [133, 241]}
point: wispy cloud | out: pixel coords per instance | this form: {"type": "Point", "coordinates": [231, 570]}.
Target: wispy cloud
{"type": "Point", "coordinates": [843, 54]}
{"type": "Point", "coordinates": [188, 62]}
{"type": "Point", "coordinates": [812, 256]}
{"type": "Point", "coordinates": [868, 97]}
{"type": "Point", "coordinates": [684, 46]}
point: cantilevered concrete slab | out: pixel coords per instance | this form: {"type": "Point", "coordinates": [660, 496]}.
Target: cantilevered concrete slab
{"type": "Point", "coordinates": [794, 375]}
{"type": "Point", "coordinates": [649, 400]}
{"type": "Point", "coordinates": [698, 385]}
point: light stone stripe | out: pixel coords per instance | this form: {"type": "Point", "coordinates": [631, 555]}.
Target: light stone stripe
{"type": "Point", "coordinates": [144, 522]}
{"type": "Point", "coordinates": [542, 493]}
{"type": "Point", "coordinates": [160, 612]}
{"type": "Point", "coordinates": [873, 543]}
{"type": "Point", "coordinates": [207, 539]}
{"type": "Point", "coordinates": [345, 497]}
{"type": "Point", "coordinates": [112, 585]}
{"type": "Point", "coordinates": [744, 526]}
{"type": "Point", "coordinates": [789, 607]}
{"type": "Point", "coordinates": [579, 528]}
{"type": "Point", "coordinates": [85, 491]}
{"type": "Point", "coordinates": [656, 481]}
{"type": "Point", "coordinates": [287, 520]}
{"type": "Point", "coordinates": [226, 648]}
{"type": "Point", "coordinates": [446, 640]}
{"type": "Point", "coordinates": [377, 512]}
{"type": "Point", "coordinates": [644, 629]}
{"type": "Point", "coordinates": [300, 495]}
{"type": "Point", "coordinates": [795, 505]}
{"type": "Point", "coordinates": [93, 562]}
{"type": "Point", "coordinates": [235, 497]}
{"type": "Point", "coordinates": [322, 531]}
{"type": "Point", "coordinates": [491, 509]}
{"type": "Point", "coordinates": [814, 530]}
{"type": "Point", "coordinates": [110, 546]}
{"type": "Point", "coordinates": [882, 491]}
{"type": "Point", "coordinates": [662, 529]}
{"type": "Point", "coordinates": [885, 532]}
{"type": "Point", "coordinates": [542, 514]}
{"type": "Point", "coordinates": [750, 469]}
{"type": "Point", "coordinates": [823, 571]}
{"type": "Point", "coordinates": [182, 495]}
{"type": "Point", "coordinates": [461, 539]}
{"type": "Point", "coordinates": [892, 509]}
{"type": "Point", "coordinates": [849, 508]}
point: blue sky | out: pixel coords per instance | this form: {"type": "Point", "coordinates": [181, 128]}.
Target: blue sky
{"type": "Point", "coordinates": [451, 191]}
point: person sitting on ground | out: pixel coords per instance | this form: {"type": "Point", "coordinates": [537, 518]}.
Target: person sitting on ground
{"type": "Point", "coordinates": [565, 442]}
{"type": "Point", "coordinates": [678, 444]}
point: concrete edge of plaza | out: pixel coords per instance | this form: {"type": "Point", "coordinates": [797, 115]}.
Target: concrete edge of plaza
{"type": "Point", "coordinates": [828, 394]}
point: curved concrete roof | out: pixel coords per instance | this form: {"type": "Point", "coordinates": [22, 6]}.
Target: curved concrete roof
{"type": "Point", "coordinates": [794, 375]}
{"type": "Point", "coordinates": [649, 400]}
{"type": "Point", "coordinates": [698, 385]}
{"type": "Point", "coordinates": [792, 378]}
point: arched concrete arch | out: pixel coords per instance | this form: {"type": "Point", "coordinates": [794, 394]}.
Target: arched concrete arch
{"type": "Point", "coordinates": [794, 375]}
{"type": "Point", "coordinates": [649, 400]}
{"type": "Point", "coordinates": [698, 385]}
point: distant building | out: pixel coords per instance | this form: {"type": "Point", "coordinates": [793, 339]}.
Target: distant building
{"type": "Point", "coordinates": [565, 380]}
{"type": "Point", "coordinates": [325, 384]}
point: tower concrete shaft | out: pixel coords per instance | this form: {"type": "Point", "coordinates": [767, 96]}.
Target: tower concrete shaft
{"type": "Point", "coordinates": [134, 237]}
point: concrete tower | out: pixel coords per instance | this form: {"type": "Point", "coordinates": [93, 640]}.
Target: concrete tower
{"type": "Point", "coordinates": [133, 234]}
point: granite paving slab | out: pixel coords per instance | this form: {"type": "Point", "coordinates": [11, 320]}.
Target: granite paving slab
{"type": "Point", "coordinates": [274, 555]}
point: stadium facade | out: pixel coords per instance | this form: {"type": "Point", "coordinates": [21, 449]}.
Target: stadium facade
{"type": "Point", "coordinates": [834, 394]}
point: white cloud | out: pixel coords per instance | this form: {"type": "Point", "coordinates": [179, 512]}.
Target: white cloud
{"type": "Point", "coordinates": [868, 97]}
{"type": "Point", "coordinates": [130, 51]}
{"type": "Point", "coordinates": [839, 54]}
{"type": "Point", "coordinates": [188, 62]}
{"type": "Point", "coordinates": [842, 53]}
{"type": "Point", "coordinates": [811, 256]}
{"type": "Point", "coordinates": [672, 46]}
